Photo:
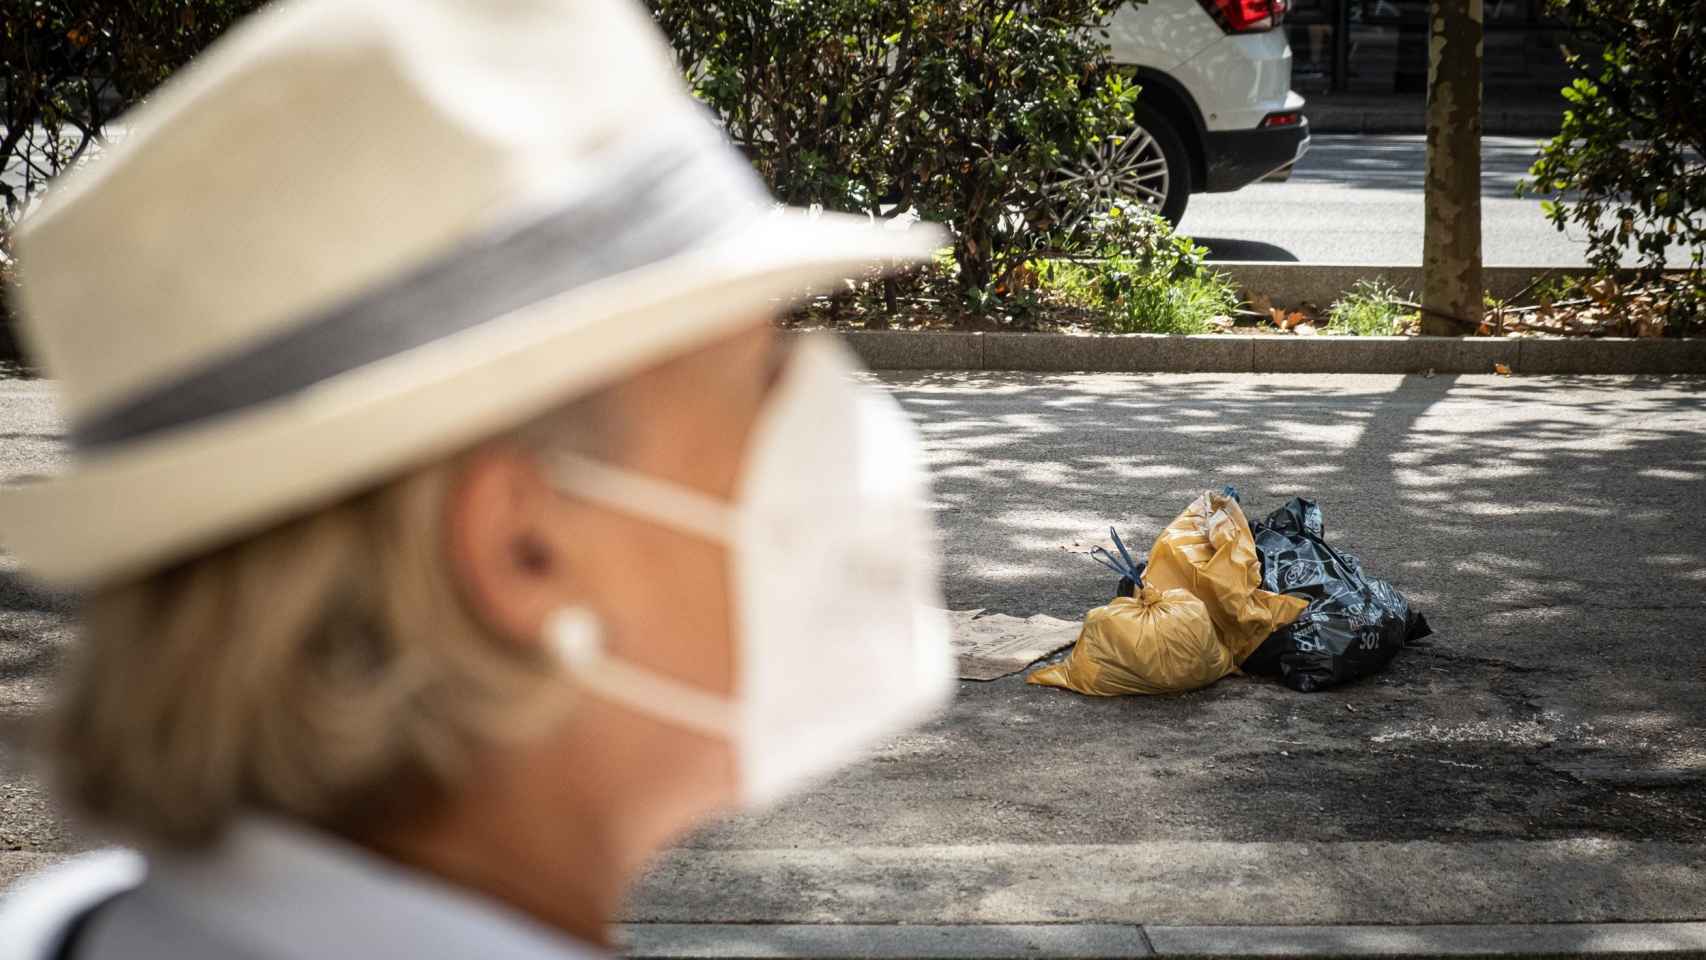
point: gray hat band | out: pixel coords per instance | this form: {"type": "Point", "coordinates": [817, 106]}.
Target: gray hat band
{"type": "Point", "coordinates": [660, 203]}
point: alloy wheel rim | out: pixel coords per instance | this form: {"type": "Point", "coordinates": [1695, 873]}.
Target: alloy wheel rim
{"type": "Point", "coordinates": [1118, 174]}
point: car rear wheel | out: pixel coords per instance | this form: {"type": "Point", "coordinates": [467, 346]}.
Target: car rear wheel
{"type": "Point", "coordinates": [1148, 167]}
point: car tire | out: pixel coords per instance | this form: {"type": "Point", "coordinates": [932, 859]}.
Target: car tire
{"type": "Point", "coordinates": [1132, 163]}
{"type": "Point", "coordinates": [1172, 146]}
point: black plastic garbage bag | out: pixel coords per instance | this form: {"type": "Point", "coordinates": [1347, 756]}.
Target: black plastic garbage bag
{"type": "Point", "coordinates": [1354, 624]}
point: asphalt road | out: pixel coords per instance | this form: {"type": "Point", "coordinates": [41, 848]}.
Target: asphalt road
{"type": "Point", "coordinates": [1359, 199]}
{"type": "Point", "coordinates": [1542, 758]}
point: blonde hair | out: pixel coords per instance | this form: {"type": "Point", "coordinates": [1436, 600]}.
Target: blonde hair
{"type": "Point", "coordinates": [326, 670]}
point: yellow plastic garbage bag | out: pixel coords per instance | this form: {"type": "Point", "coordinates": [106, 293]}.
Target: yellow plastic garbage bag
{"type": "Point", "coordinates": [1210, 553]}
{"type": "Point", "coordinates": [1156, 642]}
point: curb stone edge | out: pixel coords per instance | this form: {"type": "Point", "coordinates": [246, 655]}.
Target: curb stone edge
{"type": "Point", "coordinates": [1082, 941]}
{"type": "Point", "coordinates": [1235, 353]}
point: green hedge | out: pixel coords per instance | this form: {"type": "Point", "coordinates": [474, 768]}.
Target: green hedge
{"type": "Point", "coordinates": [69, 68]}
{"type": "Point", "coordinates": [960, 109]}
{"type": "Point", "coordinates": [1628, 168]}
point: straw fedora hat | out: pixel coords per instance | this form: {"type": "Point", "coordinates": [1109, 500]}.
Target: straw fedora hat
{"type": "Point", "coordinates": [358, 234]}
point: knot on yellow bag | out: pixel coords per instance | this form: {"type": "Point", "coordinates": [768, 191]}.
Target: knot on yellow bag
{"type": "Point", "coordinates": [1161, 641]}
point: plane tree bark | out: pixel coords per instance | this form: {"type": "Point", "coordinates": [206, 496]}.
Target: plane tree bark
{"type": "Point", "coordinates": [1451, 243]}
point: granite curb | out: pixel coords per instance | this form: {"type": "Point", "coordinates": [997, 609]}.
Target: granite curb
{"type": "Point", "coordinates": [672, 941]}
{"type": "Point", "coordinates": [1229, 353]}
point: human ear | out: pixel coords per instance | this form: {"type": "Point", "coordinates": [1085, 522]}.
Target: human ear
{"type": "Point", "coordinates": [500, 519]}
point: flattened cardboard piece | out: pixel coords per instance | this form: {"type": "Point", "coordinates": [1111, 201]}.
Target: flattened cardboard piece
{"type": "Point", "coordinates": [995, 645]}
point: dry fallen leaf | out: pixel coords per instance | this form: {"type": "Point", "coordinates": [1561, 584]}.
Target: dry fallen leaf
{"type": "Point", "coordinates": [1603, 291]}
{"type": "Point", "coordinates": [1502, 369]}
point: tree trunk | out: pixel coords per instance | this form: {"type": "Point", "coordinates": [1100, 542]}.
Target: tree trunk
{"type": "Point", "coordinates": [971, 249]}
{"type": "Point", "coordinates": [1451, 241]}
{"type": "Point", "coordinates": [879, 319]}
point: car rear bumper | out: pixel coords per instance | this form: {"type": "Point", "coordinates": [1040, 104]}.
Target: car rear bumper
{"type": "Point", "coordinates": [1237, 158]}
{"type": "Point", "coordinates": [1239, 79]}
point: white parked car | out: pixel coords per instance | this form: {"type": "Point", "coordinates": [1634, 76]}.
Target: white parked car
{"type": "Point", "coordinates": [1217, 111]}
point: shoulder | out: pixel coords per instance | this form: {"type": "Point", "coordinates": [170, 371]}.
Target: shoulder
{"type": "Point", "coordinates": [35, 911]}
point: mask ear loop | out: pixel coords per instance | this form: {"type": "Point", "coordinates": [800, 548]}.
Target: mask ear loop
{"type": "Point", "coordinates": [577, 638]}
{"type": "Point", "coordinates": [660, 501]}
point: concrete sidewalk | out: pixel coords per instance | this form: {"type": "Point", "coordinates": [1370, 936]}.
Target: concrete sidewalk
{"type": "Point", "coordinates": [1530, 764]}
{"type": "Point", "coordinates": [1231, 353]}
{"type": "Point", "coordinates": [1539, 761]}
{"type": "Point", "coordinates": [1086, 941]}
{"type": "Point", "coordinates": [1183, 883]}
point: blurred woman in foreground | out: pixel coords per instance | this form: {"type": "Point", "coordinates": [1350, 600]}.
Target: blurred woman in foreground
{"type": "Point", "coordinates": [455, 530]}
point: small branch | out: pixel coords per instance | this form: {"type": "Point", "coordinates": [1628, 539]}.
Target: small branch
{"type": "Point", "coordinates": [1408, 305]}
{"type": "Point", "coordinates": [1537, 281]}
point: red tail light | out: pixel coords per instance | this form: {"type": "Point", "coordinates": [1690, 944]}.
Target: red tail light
{"type": "Point", "coordinates": [1246, 16]}
{"type": "Point", "coordinates": [1290, 118]}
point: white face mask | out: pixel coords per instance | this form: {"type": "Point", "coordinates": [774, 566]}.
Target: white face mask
{"type": "Point", "coordinates": [839, 636]}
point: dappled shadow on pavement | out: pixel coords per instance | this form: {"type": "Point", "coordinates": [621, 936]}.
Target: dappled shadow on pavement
{"type": "Point", "coordinates": [33, 633]}
{"type": "Point", "coordinates": [1549, 528]}
{"type": "Point", "coordinates": [34, 637]}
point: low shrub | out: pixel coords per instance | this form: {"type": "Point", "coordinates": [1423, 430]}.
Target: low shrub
{"type": "Point", "coordinates": [71, 66]}
{"type": "Point", "coordinates": [1628, 167]}
{"type": "Point", "coordinates": [10, 350]}
{"type": "Point", "coordinates": [962, 110]}
{"type": "Point", "coordinates": [67, 69]}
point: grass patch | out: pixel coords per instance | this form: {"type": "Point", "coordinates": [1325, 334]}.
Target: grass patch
{"type": "Point", "coordinates": [1149, 280]}
{"type": "Point", "coordinates": [1371, 309]}
{"type": "Point", "coordinates": [1119, 297]}
{"type": "Point", "coordinates": [1186, 305]}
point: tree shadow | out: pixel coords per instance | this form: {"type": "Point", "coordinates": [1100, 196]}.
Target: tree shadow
{"type": "Point", "coordinates": [1547, 527]}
